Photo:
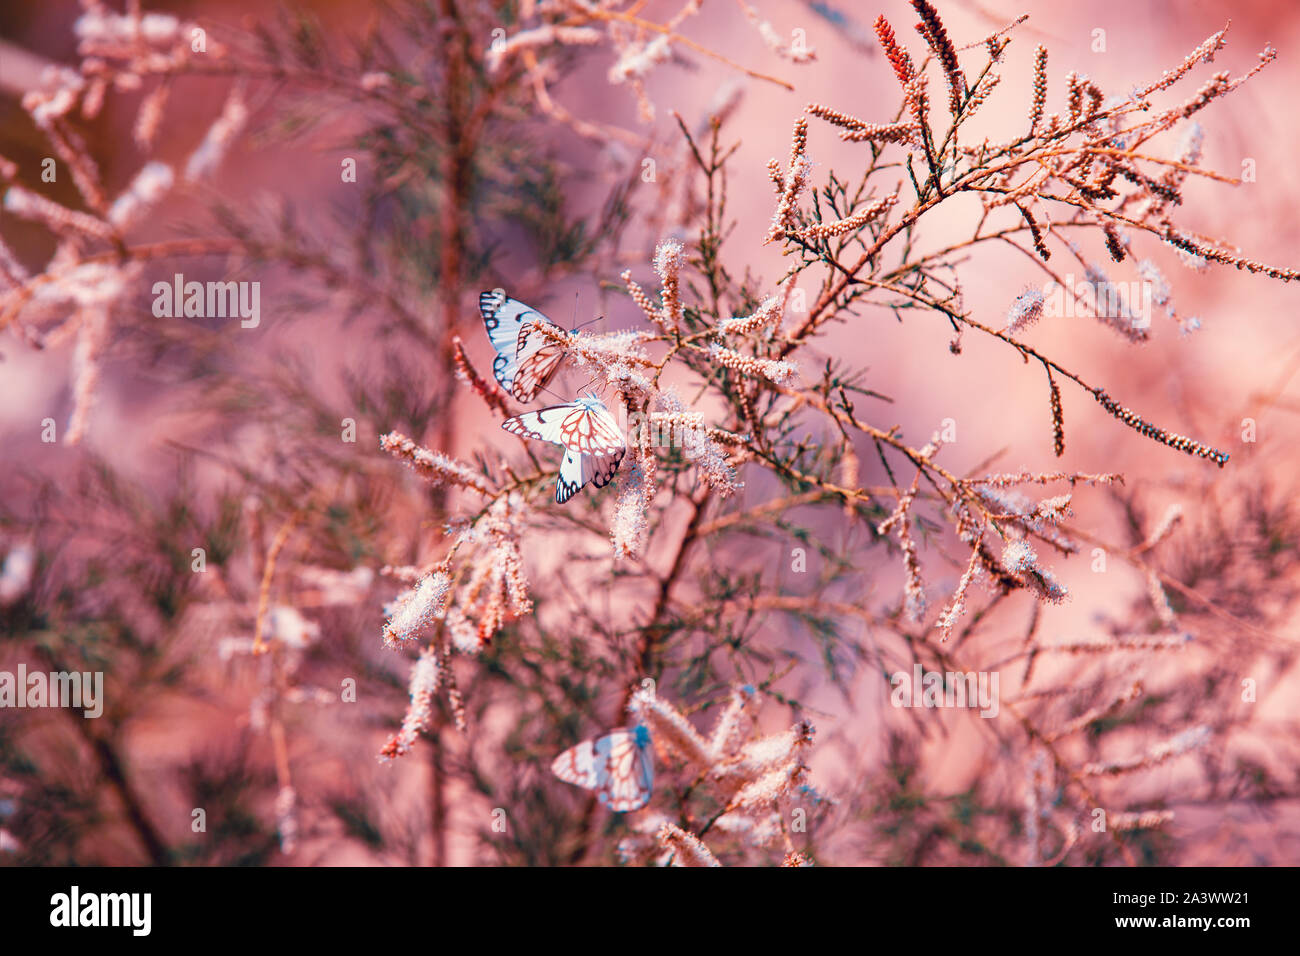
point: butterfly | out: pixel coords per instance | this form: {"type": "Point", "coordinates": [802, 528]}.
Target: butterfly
{"type": "Point", "coordinates": [618, 766]}
{"type": "Point", "coordinates": [593, 443]}
{"type": "Point", "coordinates": [526, 359]}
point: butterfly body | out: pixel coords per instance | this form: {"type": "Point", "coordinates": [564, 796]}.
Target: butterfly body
{"type": "Point", "coordinates": [619, 767]}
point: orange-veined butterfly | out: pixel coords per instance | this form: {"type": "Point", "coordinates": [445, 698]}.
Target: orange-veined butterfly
{"type": "Point", "coordinates": [526, 360]}
{"type": "Point", "coordinates": [593, 443]}
{"type": "Point", "coordinates": [618, 766]}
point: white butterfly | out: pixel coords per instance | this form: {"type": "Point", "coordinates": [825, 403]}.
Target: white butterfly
{"type": "Point", "coordinates": [526, 360]}
{"type": "Point", "coordinates": [618, 766]}
{"type": "Point", "coordinates": [593, 443]}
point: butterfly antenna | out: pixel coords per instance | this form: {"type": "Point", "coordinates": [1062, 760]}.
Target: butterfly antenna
{"type": "Point", "coordinates": [589, 322]}
{"type": "Point", "coordinates": [556, 394]}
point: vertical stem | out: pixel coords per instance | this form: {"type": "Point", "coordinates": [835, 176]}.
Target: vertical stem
{"type": "Point", "coordinates": [457, 172]}
{"type": "Point", "coordinates": [110, 765]}
{"type": "Point", "coordinates": [439, 799]}
{"type": "Point", "coordinates": [114, 771]}
{"type": "Point", "coordinates": [459, 149]}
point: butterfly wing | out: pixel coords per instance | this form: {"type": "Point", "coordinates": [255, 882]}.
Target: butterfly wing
{"type": "Point", "coordinates": [536, 360]}
{"type": "Point", "coordinates": [585, 427]}
{"type": "Point", "coordinates": [626, 772]}
{"type": "Point", "coordinates": [590, 428]}
{"type": "Point", "coordinates": [504, 317]}
{"type": "Point", "coordinates": [572, 476]}
{"type": "Point", "coordinates": [603, 467]}
{"type": "Point", "coordinates": [618, 766]}
{"type": "Point", "coordinates": [577, 469]}
{"type": "Point", "coordinates": [577, 765]}
{"type": "Point", "coordinates": [545, 424]}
